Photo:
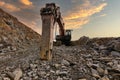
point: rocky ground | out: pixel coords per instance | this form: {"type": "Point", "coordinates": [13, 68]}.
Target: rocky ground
{"type": "Point", "coordinates": [81, 62]}
{"type": "Point", "coordinates": [85, 59]}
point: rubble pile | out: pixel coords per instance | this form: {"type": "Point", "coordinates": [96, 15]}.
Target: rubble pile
{"type": "Point", "coordinates": [14, 35]}
{"type": "Point", "coordinates": [88, 59]}
{"type": "Point", "coordinates": [68, 63]}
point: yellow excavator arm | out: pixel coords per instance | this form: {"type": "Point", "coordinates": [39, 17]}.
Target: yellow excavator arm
{"type": "Point", "coordinates": [50, 14]}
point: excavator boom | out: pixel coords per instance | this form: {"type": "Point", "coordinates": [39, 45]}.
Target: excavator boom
{"type": "Point", "coordinates": [50, 14]}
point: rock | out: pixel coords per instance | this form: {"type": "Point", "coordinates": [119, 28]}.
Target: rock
{"type": "Point", "coordinates": [88, 56]}
{"type": "Point", "coordinates": [100, 71]}
{"type": "Point", "coordinates": [13, 48]}
{"type": "Point", "coordinates": [48, 74]}
{"type": "Point", "coordinates": [10, 75]}
{"type": "Point", "coordinates": [82, 79]}
{"type": "Point", "coordinates": [106, 72]}
{"type": "Point", "coordinates": [33, 66]}
{"type": "Point", "coordinates": [114, 71]}
{"type": "Point", "coordinates": [117, 46]}
{"type": "Point", "coordinates": [0, 39]}
{"type": "Point", "coordinates": [18, 74]}
{"type": "Point", "coordinates": [105, 78]}
{"type": "Point", "coordinates": [6, 78]}
{"type": "Point", "coordinates": [115, 54]}
{"type": "Point", "coordinates": [118, 67]}
{"type": "Point", "coordinates": [26, 78]}
{"type": "Point", "coordinates": [30, 73]}
{"type": "Point", "coordinates": [36, 77]}
{"type": "Point", "coordinates": [1, 45]}
{"type": "Point", "coordinates": [51, 71]}
{"type": "Point", "coordinates": [95, 45]}
{"type": "Point", "coordinates": [57, 72]}
{"type": "Point", "coordinates": [89, 64]}
{"type": "Point", "coordinates": [93, 78]}
{"type": "Point", "coordinates": [57, 65]}
{"type": "Point", "coordinates": [95, 73]}
{"type": "Point", "coordinates": [1, 52]}
{"type": "Point", "coordinates": [102, 47]}
{"type": "Point", "coordinates": [95, 52]}
{"type": "Point", "coordinates": [65, 62]}
{"type": "Point", "coordinates": [105, 52]}
{"type": "Point", "coordinates": [110, 64]}
{"type": "Point", "coordinates": [83, 40]}
{"type": "Point", "coordinates": [34, 74]}
{"type": "Point", "coordinates": [59, 78]}
{"type": "Point", "coordinates": [42, 73]}
{"type": "Point", "coordinates": [63, 67]}
{"type": "Point", "coordinates": [1, 78]}
{"type": "Point", "coordinates": [94, 66]}
{"type": "Point", "coordinates": [61, 73]}
{"type": "Point", "coordinates": [4, 38]}
{"type": "Point", "coordinates": [65, 78]}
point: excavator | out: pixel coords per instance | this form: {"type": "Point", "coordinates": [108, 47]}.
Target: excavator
{"type": "Point", "coordinates": [50, 14]}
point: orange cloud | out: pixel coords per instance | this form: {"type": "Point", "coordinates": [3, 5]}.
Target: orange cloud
{"type": "Point", "coordinates": [9, 7]}
{"type": "Point", "coordinates": [75, 24]}
{"type": "Point", "coordinates": [26, 2]}
{"type": "Point", "coordinates": [81, 14]}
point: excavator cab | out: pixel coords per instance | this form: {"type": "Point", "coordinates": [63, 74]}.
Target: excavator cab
{"type": "Point", "coordinates": [66, 38]}
{"type": "Point", "coordinates": [68, 35]}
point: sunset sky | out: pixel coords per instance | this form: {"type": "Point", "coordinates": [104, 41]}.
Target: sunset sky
{"type": "Point", "coordinates": [93, 18]}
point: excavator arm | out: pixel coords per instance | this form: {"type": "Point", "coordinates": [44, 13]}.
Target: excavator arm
{"type": "Point", "coordinates": [61, 25]}
{"type": "Point", "coordinates": [50, 14]}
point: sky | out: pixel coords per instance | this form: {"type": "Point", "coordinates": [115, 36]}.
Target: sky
{"type": "Point", "coordinates": [92, 18]}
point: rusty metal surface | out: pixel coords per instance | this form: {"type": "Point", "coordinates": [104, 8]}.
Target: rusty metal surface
{"type": "Point", "coordinates": [47, 37]}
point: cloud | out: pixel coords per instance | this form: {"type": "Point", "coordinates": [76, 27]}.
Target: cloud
{"type": "Point", "coordinates": [73, 1]}
{"type": "Point", "coordinates": [75, 15]}
{"type": "Point", "coordinates": [9, 7]}
{"type": "Point", "coordinates": [26, 2]}
{"type": "Point", "coordinates": [31, 24]}
{"type": "Point", "coordinates": [102, 15]}
{"type": "Point", "coordinates": [30, 19]}
{"type": "Point", "coordinates": [82, 13]}
{"type": "Point", "coordinates": [75, 23]}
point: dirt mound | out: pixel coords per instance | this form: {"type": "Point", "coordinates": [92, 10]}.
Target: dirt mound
{"type": "Point", "coordinates": [14, 35]}
{"type": "Point", "coordinates": [15, 40]}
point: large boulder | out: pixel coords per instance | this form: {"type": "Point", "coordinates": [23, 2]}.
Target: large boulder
{"type": "Point", "coordinates": [117, 46]}
{"type": "Point", "coordinates": [83, 40]}
{"type": "Point", "coordinates": [116, 54]}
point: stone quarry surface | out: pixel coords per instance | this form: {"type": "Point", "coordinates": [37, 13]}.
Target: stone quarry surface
{"type": "Point", "coordinates": [88, 59]}
{"type": "Point", "coordinates": [68, 63]}
{"type": "Point", "coordinates": [14, 35]}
